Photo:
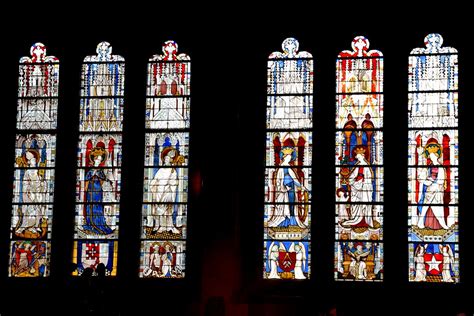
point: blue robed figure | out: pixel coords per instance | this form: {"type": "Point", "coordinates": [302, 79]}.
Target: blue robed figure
{"type": "Point", "coordinates": [94, 208]}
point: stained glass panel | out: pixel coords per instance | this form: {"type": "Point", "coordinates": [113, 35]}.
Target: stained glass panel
{"type": "Point", "coordinates": [162, 259]}
{"type": "Point", "coordinates": [99, 159]}
{"type": "Point", "coordinates": [359, 164]}
{"type": "Point", "coordinates": [358, 260]}
{"type": "Point", "coordinates": [165, 192]}
{"type": "Point", "coordinates": [35, 159]}
{"type": "Point", "coordinates": [289, 141]}
{"type": "Point", "coordinates": [433, 159]}
{"type": "Point", "coordinates": [91, 253]}
{"type": "Point", "coordinates": [286, 259]}
{"type": "Point", "coordinates": [29, 258]}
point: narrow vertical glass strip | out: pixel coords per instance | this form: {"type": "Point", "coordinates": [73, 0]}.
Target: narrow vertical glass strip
{"type": "Point", "coordinates": [34, 168]}
{"type": "Point", "coordinates": [165, 184]}
{"type": "Point", "coordinates": [99, 158]}
{"type": "Point", "coordinates": [288, 164]}
{"type": "Point", "coordinates": [433, 163]}
{"type": "Point", "coordinates": [358, 249]}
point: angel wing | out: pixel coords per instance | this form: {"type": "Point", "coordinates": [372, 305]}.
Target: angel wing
{"type": "Point", "coordinates": [303, 251]}
{"type": "Point", "coordinates": [292, 247]}
{"type": "Point", "coordinates": [270, 256]}
{"type": "Point", "coordinates": [111, 152]}
{"type": "Point", "coordinates": [281, 247]}
{"type": "Point", "coordinates": [450, 252]}
{"type": "Point", "coordinates": [417, 250]}
{"type": "Point", "coordinates": [156, 154]}
{"type": "Point", "coordinates": [276, 148]}
{"type": "Point", "coordinates": [88, 151]}
{"type": "Point", "coordinates": [440, 248]}
{"type": "Point", "coordinates": [447, 163]}
{"type": "Point", "coordinates": [300, 146]}
{"type": "Point", "coordinates": [269, 250]}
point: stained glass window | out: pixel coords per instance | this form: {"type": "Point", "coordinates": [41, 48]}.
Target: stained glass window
{"type": "Point", "coordinates": [289, 141]}
{"type": "Point", "coordinates": [99, 157]}
{"type": "Point", "coordinates": [433, 162]}
{"type": "Point", "coordinates": [358, 253]}
{"type": "Point", "coordinates": [35, 155]}
{"type": "Point", "coordinates": [165, 196]}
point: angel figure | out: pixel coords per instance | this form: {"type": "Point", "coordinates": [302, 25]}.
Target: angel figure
{"type": "Point", "coordinates": [420, 270]}
{"type": "Point", "coordinates": [164, 188]}
{"type": "Point", "coordinates": [273, 254]}
{"type": "Point", "coordinates": [300, 263]}
{"type": "Point", "coordinates": [33, 187]}
{"type": "Point", "coordinates": [448, 260]}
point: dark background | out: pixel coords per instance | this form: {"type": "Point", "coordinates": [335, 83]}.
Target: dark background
{"type": "Point", "coordinates": [225, 222]}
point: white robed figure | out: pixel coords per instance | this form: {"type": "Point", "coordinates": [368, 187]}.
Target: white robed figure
{"type": "Point", "coordinates": [164, 189]}
{"type": "Point", "coordinates": [34, 188]}
{"type": "Point", "coordinates": [420, 270]}
{"type": "Point", "coordinates": [448, 261]}
{"type": "Point", "coordinates": [273, 255]}
{"type": "Point", "coordinates": [300, 263]}
{"type": "Point", "coordinates": [361, 180]}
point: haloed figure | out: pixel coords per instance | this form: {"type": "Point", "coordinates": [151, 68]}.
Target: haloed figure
{"type": "Point", "coordinates": [448, 261]}
{"type": "Point", "coordinates": [273, 259]}
{"type": "Point", "coordinates": [95, 222]}
{"type": "Point", "coordinates": [164, 189]}
{"type": "Point", "coordinates": [433, 183]}
{"type": "Point", "coordinates": [34, 188]}
{"type": "Point", "coordinates": [300, 261]}
{"type": "Point", "coordinates": [420, 270]}
{"type": "Point", "coordinates": [361, 180]}
{"type": "Point", "coordinates": [287, 183]}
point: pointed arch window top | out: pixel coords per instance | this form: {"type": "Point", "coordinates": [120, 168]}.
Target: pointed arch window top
{"type": "Point", "coordinates": [38, 55]}
{"type": "Point", "coordinates": [360, 48]}
{"type": "Point", "coordinates": [290, 47]}
{"type": "Point", "coordinates": [170, 53]}
{"type": "Point", "coordinates": [104, 54]}
{"type": "Point", "coordinates": [434, 43]}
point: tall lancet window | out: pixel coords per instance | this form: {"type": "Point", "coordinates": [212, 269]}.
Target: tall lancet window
{"type": "Point", "coordinates": [165, 196]}
{"type": "Point", "coordinates": [358, 253]}
{"type": "Point", "coordinates": [289, 141]}
{"type": "Point", "coordinates": [99, 156]}
{"type": "Point", "coordinates": [35, 156]}
{"type": "Point", "coordinates": [433, 162]}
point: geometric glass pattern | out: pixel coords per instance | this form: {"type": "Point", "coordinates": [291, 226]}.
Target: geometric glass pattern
{"type": "Point", "coordinates": [99, 159]}
{"type": "Point", "coordinates": [35, 155]}
{"type": "Point", "coordinates": [165, 186]}
{"type": "Point", "coordinates": [358, 249]}
{"type": "Point", "coordinates": [433, 163]}
{"type": "Point", "coordinates": [289, 141]}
